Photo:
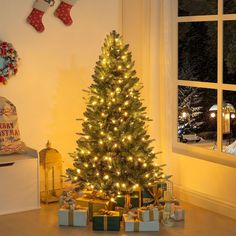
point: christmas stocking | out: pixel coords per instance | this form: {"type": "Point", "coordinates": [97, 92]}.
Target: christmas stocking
{"type": "Point", "coordinates": [63, 11]}
{"type": "Point", "coordinates": [35, 17]}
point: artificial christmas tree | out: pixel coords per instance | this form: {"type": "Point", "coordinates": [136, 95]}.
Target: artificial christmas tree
{"type": "Point", "coordinates": [114, 153]}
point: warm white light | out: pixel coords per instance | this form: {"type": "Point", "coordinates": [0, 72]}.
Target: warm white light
{"type": "Point", "coordinates": [118, 90]}
{"type": "Point", "coordinates": [119, 67]}
{"type": "Point", "coordinates": [102, 78]}
{"type": "Point", "coordinates": [113, 99]}
{"type": "Point", "coordinates": [112, 94]}
{"type": "Point", "coordinates": [115, 145]}
{"type": "Point", "coordinates": [97, 174]}
{"type": "Point", "coordinates": [78, 171]}
{"type": "Point", "coordinates": [109, 138]}
{"type": "Point", "coordinates": [119, 81]}
{"type": "Point", "coordinates": [102, 133]}
{"type": "Point", "coordinates": [117, 184]}
{"type": "Point", "coordinates": [87, 137]}
{"type": "Point", "coordinates": [184, 114]}
{"type": "Point", "coordinates": [103, 114]}
{"type": "Point", "coordinates": [95, 158]}
{"type": "Point", "coordinates": [75, 178]}
{"type": "Point", "coordinates": [233, 116]}
{"type": "Point", "coordinates": [101, 142]}
{"type": "Point", "coordinates": [143, 139]}
{"type": "Point", "coordinates": [126, 113]}
{"type": "Point", "coordinates": [86, 165]}
{"type": "Point", "coordinates": [144, 164]}
{"type": "Point", "coordinates": [118, 172]}
{"type": "Point", "coordinates": [126, 103]}
{"type": "Point", "coordinates": [115, 129]}
{"type": "Point", "coordinates": [227, 116]}
{"type": "Point", "coordinates": [213, 115]}
{"type": "Point", "coordinates": [82, 151]}
{"type": "Point", "coordinates": [130, 158]}
{"type": "Point", "coordinates": [113, 121]}
{"type": "Point", "coordinates": [106, 177]}
{"type": "Point", "coordinates": [123, 185]}
{"type": "Point", "coordinates": [94, 103]}
{"type": "Point", "coordinates": [129, 137]}
{"type": "Point", "coordinates": [147, 175]}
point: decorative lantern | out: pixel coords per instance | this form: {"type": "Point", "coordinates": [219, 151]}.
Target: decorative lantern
{"type": "Point", "coordinates": [50, 174]}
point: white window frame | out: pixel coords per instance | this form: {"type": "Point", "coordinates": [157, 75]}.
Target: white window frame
{"type": "Point", "coordinates": [217, 155]}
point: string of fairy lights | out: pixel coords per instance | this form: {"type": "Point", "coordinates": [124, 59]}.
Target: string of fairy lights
{"type": "Point", "coordinates": [112, 155]}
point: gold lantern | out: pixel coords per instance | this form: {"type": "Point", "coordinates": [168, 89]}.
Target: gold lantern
{"type": "Point", "coordinates": [50, 174]}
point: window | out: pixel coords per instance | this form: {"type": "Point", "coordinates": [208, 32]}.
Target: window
{"type": "Point", "coordinates": [206, 77]}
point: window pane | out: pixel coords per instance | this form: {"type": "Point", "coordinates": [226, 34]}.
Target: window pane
{"type": "Point", "coordinates": [198, 51]}
{"type": "Point", "coordinates": [229, 6]}
{"type": "Point", "coordinates": [229, 76]}
{"type": "Point", "coordinates": [197, 122]}
{"type": "Point", "coordinates": [197, 7]}
{"type": "Point", "coordinates": [229, 122]}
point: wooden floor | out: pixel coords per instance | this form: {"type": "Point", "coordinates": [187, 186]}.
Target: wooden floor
{"type": "Point", "coordinates": [43, 222]}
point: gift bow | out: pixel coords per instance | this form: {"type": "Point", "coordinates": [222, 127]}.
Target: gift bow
{"type": "Point", "coordinates": [147, 208]}
{"type": "Point", "coordinates": [106, 212]}
{"type": "Point", "coordinates": [155, 194]}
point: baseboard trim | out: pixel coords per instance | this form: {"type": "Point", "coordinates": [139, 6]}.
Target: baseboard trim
{"type": "Point", "coordinates": [205, 201]}
{"type": "Point", "coordinates": [19, 210]}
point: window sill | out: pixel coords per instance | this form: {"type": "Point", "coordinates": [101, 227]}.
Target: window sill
{"type": "Point", "coordinates": [204, 154]}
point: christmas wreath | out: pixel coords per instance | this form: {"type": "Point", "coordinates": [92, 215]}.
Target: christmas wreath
{"type": "Point", "coordinates": [8, 61]}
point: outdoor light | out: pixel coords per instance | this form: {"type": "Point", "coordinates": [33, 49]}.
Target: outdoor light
{"type": "Point", "coordinates": [232, 116]}
{"type": "Point", "coordinates": [213, 115]}
{"type": "Point", "coordinates": [227, 116]}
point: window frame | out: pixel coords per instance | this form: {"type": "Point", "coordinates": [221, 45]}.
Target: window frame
{"type": "Point", "coordinates": [217, 156]}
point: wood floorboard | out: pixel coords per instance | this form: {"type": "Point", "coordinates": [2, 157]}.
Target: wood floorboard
{"type": "Point", "coordinates": [43, 222]}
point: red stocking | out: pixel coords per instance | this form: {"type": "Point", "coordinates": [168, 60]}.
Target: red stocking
{"type": "Point", "coordinates": [63, 11]}
{"type": "Point", "coordinates": [35, 17]}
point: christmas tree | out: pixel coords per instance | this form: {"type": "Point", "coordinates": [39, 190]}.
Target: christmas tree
{"type": "Point", "coordinates": [114, 153]}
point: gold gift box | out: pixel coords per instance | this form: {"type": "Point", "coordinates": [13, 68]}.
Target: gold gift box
{"type": "Point", "coordinates": [93, 205]}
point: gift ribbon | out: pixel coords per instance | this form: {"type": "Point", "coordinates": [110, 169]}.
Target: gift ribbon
{"type": "Point", "coordinates": [105, 222]}
{"type": "Point", "coordinates": [155, 194]}
{"type": "Point", "coordinates": [151, 215]}
{"type": "Point", "coordinates": [136, 226]}
{"type": "Point", "coordinates": [71, 217]}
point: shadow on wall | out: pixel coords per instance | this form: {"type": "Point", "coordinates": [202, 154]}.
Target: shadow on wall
{"type": "Point", "coordinates": [68, 106]}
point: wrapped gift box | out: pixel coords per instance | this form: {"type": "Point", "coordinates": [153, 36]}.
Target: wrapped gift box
{"type": "Point", "coordinates": [178, 213]}
{"type": "Point", "coordinates": [93, 205]}
{"type": "Point", "coordinates": [106, 222]}
{"type": "Point", "coordinates": [78, 217]}
{"type": "Point", "coordinates": [148, 214]}
{"type": "Point", "coordinates": [134, 225]}
{"type": "Point", "coordinates": [134, 200]}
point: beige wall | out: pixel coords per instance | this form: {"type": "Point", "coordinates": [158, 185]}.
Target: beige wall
{"type": "Point", "coordinates": [201, 182]}
{"type": "Point", "coordinates": [55, 66]}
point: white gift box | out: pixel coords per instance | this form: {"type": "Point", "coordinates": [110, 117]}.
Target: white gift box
{"type": "Point", "coordinates": [133, 225]}
{"type": "Point", "coordinates": [78, 217]}
{"type": "Point", "coordinates": [148, 214]}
